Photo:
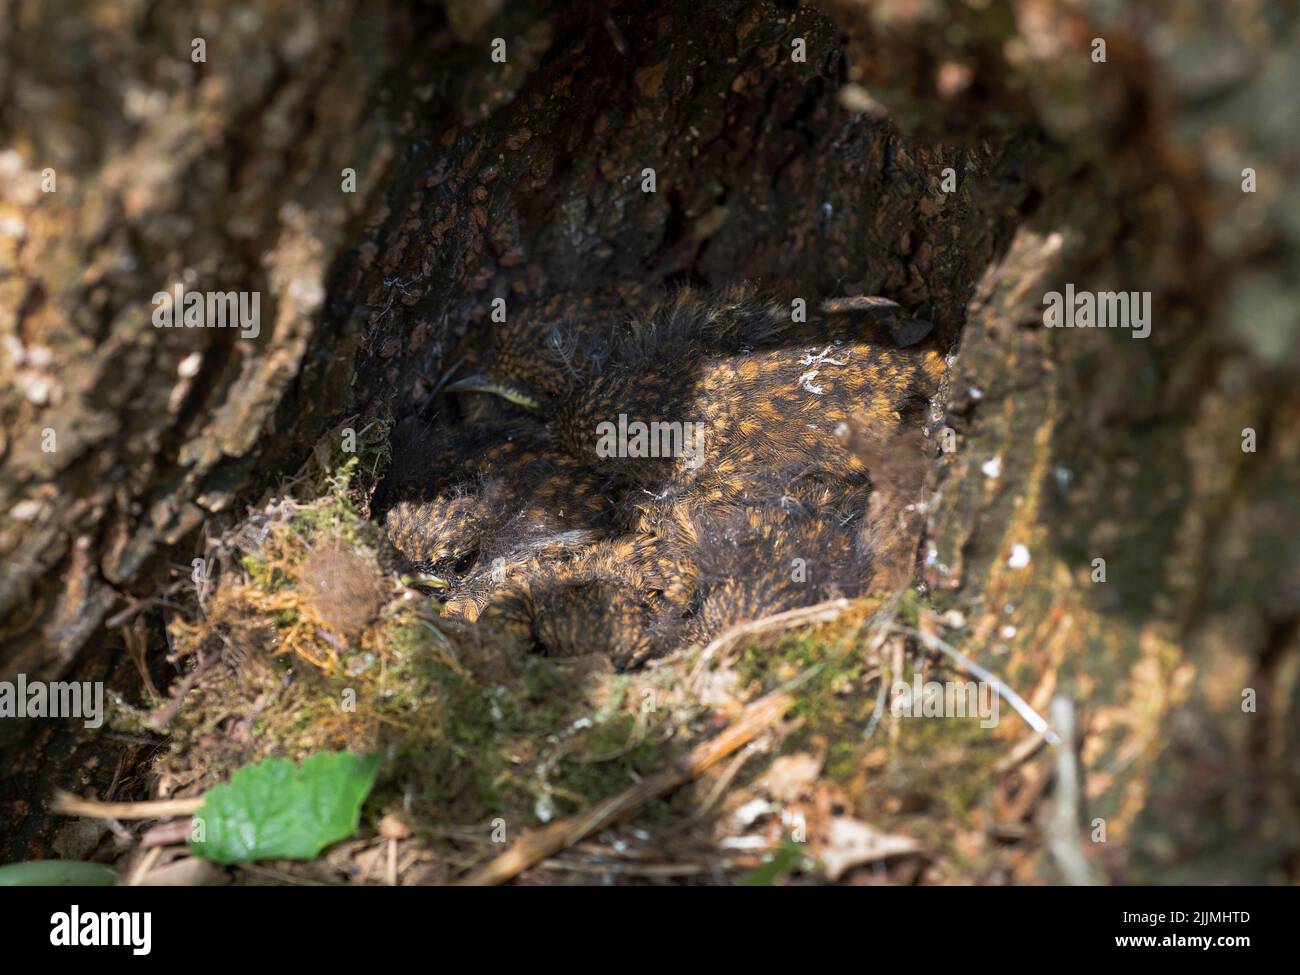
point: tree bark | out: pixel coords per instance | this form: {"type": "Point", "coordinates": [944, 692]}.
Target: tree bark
{"type": "Point", "coordinates": [476, 179]}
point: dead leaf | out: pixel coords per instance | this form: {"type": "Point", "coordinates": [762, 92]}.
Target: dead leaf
{"type": "Point", "coordinates": [186, 872]}
{"type": "Point", "coordinates": [850, 843]}
{"type": "Point", "coordinates": [790, 776]}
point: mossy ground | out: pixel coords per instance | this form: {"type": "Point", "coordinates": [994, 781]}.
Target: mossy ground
{"type": "Point", "coordinates": [929, 778]}
{"type": "Point", "coordinates": [477, 747]}
{"type": "Point", "coordinates": [468, 740]}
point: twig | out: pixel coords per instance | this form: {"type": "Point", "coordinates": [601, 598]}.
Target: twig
{"type": "Point", "coordinates": [117, 774]}
{"type": "Point", "coordinates": [66, 804]}
{"type": "Point", "coordinates": [1019, 754]}
{"type": "Point", "coordinates": [1063, 828]}
{"type": "Point", "coordinates": [724, 780]}
{"type": "Point", "coordinates": [715, 793]}
{"type": "Point", "coordinates": [121, 832]}
{"type": "Point", "coordinates": [631, 869]}
{"type": "Point", "coordinates": [878, 711]}
{"type": "Point", "coordinates": [165, 834]}
{"type": "Point", "coordinates": [1032, 717]}
{"type": "Point", "coordinates": [536, 846]}
{"type": "Point", "coordinates": [136, 607]}
{"type": "Point", "coordinates": [162, 717]}
{"type": "Point", "coordinates": [145, 864]}
{"type": "Point", "coordinates": [137, 648]}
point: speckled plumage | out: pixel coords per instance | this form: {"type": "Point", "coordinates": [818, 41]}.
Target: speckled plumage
{"type": "Point", "coordinates": [490, 500]}
{"type": "Point", "coordinates": [768, 390]}
{"type": "Point", "coordinates": [562, 551]}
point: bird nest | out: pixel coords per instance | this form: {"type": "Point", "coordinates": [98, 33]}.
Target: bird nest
{"type": "Point", "coordinates": [589, 644]}
{"type": "Point", "coordinates": [706, 649]}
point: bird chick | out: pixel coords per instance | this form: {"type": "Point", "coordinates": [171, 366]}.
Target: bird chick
{"type": "Point", "coordinates": [726, 384]}
{"type": "Point", "coordinates": [737, 416]}
{"type": "Point", "coordinates": [774, 513]}
{"type": "Point", "coordinates": [551, 347]}
{"type": "Point", "coordinates": [592, 603]}
{"type": "Point", "coordinates": [790, 559]}
{"type": "Point", "coordinates": [547, 346]}
{"type": "Point", "coordinates": [517, 494]}
{"type": "Point", "coordinates": [439, 538]}
{"type": "Point", "coordinates": [631, 601]}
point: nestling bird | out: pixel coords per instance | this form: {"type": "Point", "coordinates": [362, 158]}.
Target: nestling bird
{"type": "Point", "coordinates": [592, 602]}
{"type": "Point", "coordinates": [489, 501]}
{"type": "Point", "coordinates": [554, 544]}
{"type": "Point", "coordinates": [636, 597]}
{"type": "Point", "coordinates": [792, 559]}
{"type": "Point", "coordinates": [546, 345]}
{"type": "Point", "coordinates": [652, 552]}
{"type": "Point", "coordinates": [763, 389]}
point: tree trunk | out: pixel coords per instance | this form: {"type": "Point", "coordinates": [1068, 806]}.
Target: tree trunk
{"type": "Point", "coordinates": [963, 162]}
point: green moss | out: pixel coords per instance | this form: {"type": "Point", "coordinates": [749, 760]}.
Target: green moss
{"type": "Point", "coordinates": [909, 607]}
{"type": "Point", "coordinates": [939, 767]}
{"type": "Point", "coordinates": [787, 858]}
{"type": "Point", "coordinates": [538, 747]}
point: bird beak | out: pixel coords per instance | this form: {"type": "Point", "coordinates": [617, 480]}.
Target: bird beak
{"type": "Point", "coordinates": [479, 383]}
{"type": "Point", "coordinates": [424, 579]}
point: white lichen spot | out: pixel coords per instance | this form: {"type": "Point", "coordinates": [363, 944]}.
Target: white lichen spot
{"type": "Point", "coordinates": [27, 510]}
{"type": "Point", "coordinates": [308, 293]}
{"type": "Point", "coordinates": [188, 367]}
{"type": "Point", "coordinates": [14, 349]}
{"type": "Point", "coordinates": [1019, 556]}
{"type": "Point", "coordinates": [38, 389]}
{"type": "Point", "coordinates": [544, 809]}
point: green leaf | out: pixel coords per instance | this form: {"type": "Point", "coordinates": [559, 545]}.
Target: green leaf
{"type": "Point", "coordinates": [56, 873]}
{"type": "Point", "coordinates": [278, 810]}
{"type": "Point", "coordinates": [781, 862]}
